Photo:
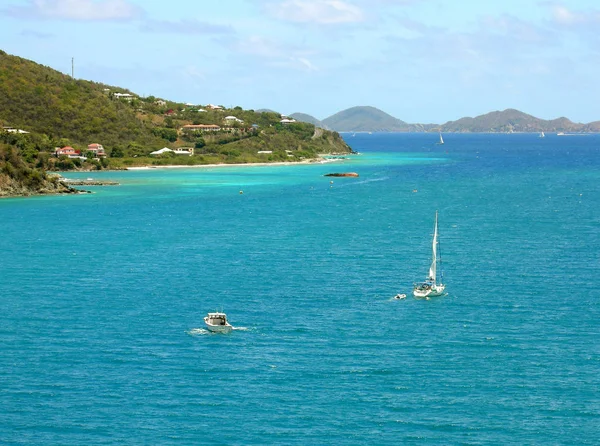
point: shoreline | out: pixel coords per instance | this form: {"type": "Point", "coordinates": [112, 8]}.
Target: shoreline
{"type": "Point", "coordinates": [279, 163]}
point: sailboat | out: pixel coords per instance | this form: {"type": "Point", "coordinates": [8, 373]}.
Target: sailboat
{"type": "Point", "coordinates": [542, 135]}
{"type": "Point", "coordinates": [441, 139]}
{"type": "Point", "coordinates": [430, 287]}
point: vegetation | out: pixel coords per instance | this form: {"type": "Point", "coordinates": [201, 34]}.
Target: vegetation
{"type": "Point", "coordinates": [368, 119]}
{"type": "Point", "coordinates": [57, 111]}
{"type": "Point", "coordinates": [511, 120]}
{"type": "Point", "coordinates": [303, 117]}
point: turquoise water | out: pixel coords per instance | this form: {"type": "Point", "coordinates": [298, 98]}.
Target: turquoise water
{"type": "Point", "coordinates": [103, 295]}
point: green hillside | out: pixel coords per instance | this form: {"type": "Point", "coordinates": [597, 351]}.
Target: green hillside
{"type": "Point", "coordinates": [367, 119]}
{"type": "Point", "coordinates": [511, 120]}
{"type": "Point", "coordinates": [42, 109]}
{"type": "Point", "coordinates": [303, 117]}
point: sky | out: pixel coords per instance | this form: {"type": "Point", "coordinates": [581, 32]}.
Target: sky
{"type": "Point", "coordinates": [422, 61]}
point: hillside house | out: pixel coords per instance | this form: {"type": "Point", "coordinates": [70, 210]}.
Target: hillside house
{"type": "Point", "coordinates": [214, 107]}
{"type": "Point", "coordinates": [69, 152]}
{"type": "Point", "coordinates": [126, 96]}
{"type": "Point", "coordinates": [13, 130]}
{"type": "Point", "coordinates": [97, 149]}
{"type": "Point", "coordinates": [230, 119]}
{"type": "Point", "coordinates": [180, 151]}
{"type": "Point", "coordinates": [200, 128]}
{"type": "Point", "coordinates": [160, 102]}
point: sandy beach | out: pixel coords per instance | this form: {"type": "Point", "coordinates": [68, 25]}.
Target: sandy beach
{"type": "Point", "coordinates": [282, 163]}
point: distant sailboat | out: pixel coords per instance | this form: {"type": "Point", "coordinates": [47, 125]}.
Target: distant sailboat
{"type": "Point", "coordinates": [542, 135]}
{"type": "Point", "coordinates": [441, 139]}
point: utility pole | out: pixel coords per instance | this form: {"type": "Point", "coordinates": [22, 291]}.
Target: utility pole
{"type": "Point", "coordinates": [73, 67]}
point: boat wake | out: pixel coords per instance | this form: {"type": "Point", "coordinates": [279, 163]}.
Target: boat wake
{"type": "Point", "coordinates": [204, 331]}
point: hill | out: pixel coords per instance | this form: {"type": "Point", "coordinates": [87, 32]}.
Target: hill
{"type": "Point", "coordinates": [303, 117]}
{"type": "Point", "coordinates": [367, 119]}
{"type": "Point", "coordinates": [42, 109]}
{"type": "Point", "coordinates": [511, 120]}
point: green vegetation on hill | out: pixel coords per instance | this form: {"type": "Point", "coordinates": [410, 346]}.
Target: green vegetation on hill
{"type": "Point", "coordinates": [46, 109]}
{"type": "Point", "coordinates": [512, 120]}
{"type": "Point", "coordinates": [303, 117]}
{"type": "Point", "coordinates": [368, 119]}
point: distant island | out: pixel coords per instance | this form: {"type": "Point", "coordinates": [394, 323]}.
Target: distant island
{"type": "Point", "coordinates": [52, 122]}
{"type": "Point", "coordinates": [371, 119]}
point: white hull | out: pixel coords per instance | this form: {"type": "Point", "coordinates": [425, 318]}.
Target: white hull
{"type": "Point", "coordinates": [434, 291]}
{"type": "Point", "coordinates": [218, 328]}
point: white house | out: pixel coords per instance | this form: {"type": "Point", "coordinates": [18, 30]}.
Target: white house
{"type": "Point", "coordinates": [13, 130]}
{"type": "Point", "coordinates": [181, 151]}
{"type": "Point", "coordinates": [287, 121]}
{"type": "Point", "coordinates": [125, 96]}
{"type": "Point", "coordinates": [233, 118]}
{"type": "Point", "coordinates": [200, 128]}
{"type": "Point", "coordinates": [161, 151]}
{"type": "Point", "coordinates": [214, 107]}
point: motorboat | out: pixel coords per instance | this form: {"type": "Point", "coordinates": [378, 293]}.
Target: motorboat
{"type": "Point", "coordinates": [217, 323]}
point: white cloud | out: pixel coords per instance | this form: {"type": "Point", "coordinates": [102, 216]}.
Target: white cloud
{"type": "Point", "coordinates": [322, 12]}
{"type": "Point", "coordinates": [564, 16]}
{"type": "Point", "coordinates": [84, 10]}
{"type": "Point", "coordinates": [276, 54]}
{"type": "Point", "coordinates": [306, 63]}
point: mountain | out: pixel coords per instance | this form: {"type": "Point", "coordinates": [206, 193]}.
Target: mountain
{"type": "Point", "coordinates": [512, 120]}
{"type": "Point", "coordinates": [365, 119]}
{"type": "Point", "coordinates": [303, 117]}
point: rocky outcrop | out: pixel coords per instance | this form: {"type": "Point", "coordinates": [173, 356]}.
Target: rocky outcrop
{"type": "Point", "coordinates": [342, 174]}
{"type": "Point", "coordinates": [11, 187]}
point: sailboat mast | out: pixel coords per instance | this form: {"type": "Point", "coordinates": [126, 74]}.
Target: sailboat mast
{"type": "Point", "coordinates": [439, 250]}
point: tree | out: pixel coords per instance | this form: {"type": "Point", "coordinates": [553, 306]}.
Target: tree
{"type": "Point", "coordinates": [117, 152]}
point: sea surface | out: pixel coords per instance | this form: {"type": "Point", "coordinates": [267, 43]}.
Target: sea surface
{"type": "Point", "coordinates": [102, 299]}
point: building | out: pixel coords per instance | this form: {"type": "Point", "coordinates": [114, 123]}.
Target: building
{"type": "Point", "coordinates": [160, 102]}
{"type": "Point", "coordinates": [97, 149]}
{"type": "Point", "coordinates": [214, 107]}
{"type": "Point", "coordinates": [233, 119]}
{"type": "Point", "coordinates": [125, 96]}
{"type": "Point", "coordinates": [13, 130]}
{"type": "Point", "coordinates": [200, 128]}
{"type": "Point", "coordinates": [180, 151]}
{"type": "Point", "coordinates": [69, 152]}
{"type": "Point", "coordinates": [287, 121]}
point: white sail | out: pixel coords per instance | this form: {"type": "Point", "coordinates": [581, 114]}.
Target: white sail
{"type": "Point", "coordinates": [433, 267]}
{"type": "Point", "coordinates": [441, 139]}
{"type": "Point", "coordinates": [430, 288]}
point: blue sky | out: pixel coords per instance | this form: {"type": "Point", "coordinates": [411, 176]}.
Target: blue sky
{"type": "Point", "coordinates": [418, 60]}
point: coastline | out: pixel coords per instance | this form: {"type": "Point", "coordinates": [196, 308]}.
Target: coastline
{"type": "Point", "coordinates": [279, 163]}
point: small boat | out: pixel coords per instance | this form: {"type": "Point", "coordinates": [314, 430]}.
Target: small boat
{"type": "Point", "coordinates": [441, 139]}
{"type": "Point", "coordinates": [542, 135]}
{"type": "Point", "coordinates": [400, 296]}
{"type": "Point", "coordinates": [560, 134]}
{"type": "Point", "coordinates": [217, 323]}
{"type": "Point", "coordinates": [430, 287]}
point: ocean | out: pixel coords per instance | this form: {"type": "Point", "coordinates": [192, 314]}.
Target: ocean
{"type": "Point", "coordinates": [103, 297]}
